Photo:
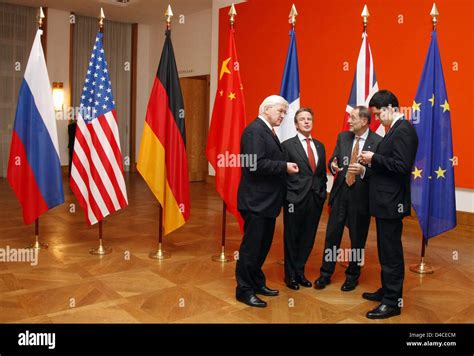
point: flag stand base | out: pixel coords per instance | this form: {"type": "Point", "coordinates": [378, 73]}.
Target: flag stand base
{"type": "Point", "coordinates": [101, 250]}
{"type": "Point", "coordinates": [421, 268]}
{"type": "Point", "coordinates": [160, 254]}
{"type": "Point", "coordinates": [38, 245]}
{"type": "Point", "coordinates": [222, 257]}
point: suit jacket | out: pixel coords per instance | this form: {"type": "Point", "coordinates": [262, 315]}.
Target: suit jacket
{"type": "Point", "coordinates": [262, 189]}
{"type": "Point", "coordinates": [343, 152]}
{"type": "Point", "coordinates": [305, 182]}
{"type": "Point", "coordinates": [392, 166]}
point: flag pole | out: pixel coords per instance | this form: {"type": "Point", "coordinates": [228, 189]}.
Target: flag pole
{"type": "Point", "coordinates": [37, 244]}
{"type": "Point", "coordinates": [222, 257]}
{"type": "Point", "coordinates": [365, 21]}
{"type": "Point", "coordinates": [101, 250]}
{"type": "Point", "coordinates": [160, 254]}
{"type": "Point", "coordinates": [365, 17]}
{"type": "Point", "coordinates": [292, 22]}
{"type": "Point", "coordinates": [422, 267]}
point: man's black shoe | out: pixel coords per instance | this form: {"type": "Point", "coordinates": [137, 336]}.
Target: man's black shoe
{"type": "Point", "coordinates": [267, 291]}
{"type": "Point", "coordinates": [303, 281]}
{"type": "Point", "coordinates": [292, 284]}
{"type": "Point", "coordinates": [252, 300]}
{"type": "Point", "coordinates": [383, 311]}
{"type": "Point", "coordinates": [349, 284]}
{"type": "Point", "coordinates": [321, 282]}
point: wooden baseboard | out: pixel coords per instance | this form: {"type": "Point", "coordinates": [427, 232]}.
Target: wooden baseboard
{"type": "Point", "coordinates": [211, 179]}
{"type": "Point", "coordinates": [465, 218]}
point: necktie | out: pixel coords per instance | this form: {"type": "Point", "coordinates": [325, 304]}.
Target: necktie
{"type": "Point", "coordinates": [273, 132]}
{"type": "Point", "coordinates": [312, 160]}
{"type": "Point", "coordinates": [350, 178]}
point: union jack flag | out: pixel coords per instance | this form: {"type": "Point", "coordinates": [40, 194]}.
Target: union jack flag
{"type": "Point", "coordinates": [364, 85]}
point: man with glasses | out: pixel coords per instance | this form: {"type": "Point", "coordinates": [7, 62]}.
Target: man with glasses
{"type": "Point", "coordinates": [349, 199]}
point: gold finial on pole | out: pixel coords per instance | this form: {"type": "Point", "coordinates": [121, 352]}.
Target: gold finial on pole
{"type": "Point", "coordinates": [40, 18]}
{"type": "Point", "coordinates": [434, 14]}
{"type": "Point", "coordinates": [232, 14]}
{"type": "Point", "coordinates": [169, 15]}
{"type": "Point", "coordinates": [292, 16]}
{"type": "Point", "coordinates": [101, 19]}
{"type": "Point", "coordinates": [365, 16]}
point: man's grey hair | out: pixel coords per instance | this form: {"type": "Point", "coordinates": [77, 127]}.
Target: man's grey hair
{"type": "Point", "coordinates": [272, 100]}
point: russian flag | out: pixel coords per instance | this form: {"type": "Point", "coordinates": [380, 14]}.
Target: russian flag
{"type": "Point", "coordinates": [34, 168]}
{"type": "Point", "coordinates": [290, 90]}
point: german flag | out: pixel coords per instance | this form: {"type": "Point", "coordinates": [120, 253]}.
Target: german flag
{"type": "Point", "coordinates": [162, 159]}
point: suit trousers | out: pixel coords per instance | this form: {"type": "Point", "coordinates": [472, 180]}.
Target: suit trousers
{"type": "Point", "coordinates": [256, 243]}
{"type": "Point", "coordinates": [344, 211]}
{"type": "Point", "coordinates": [390, 251]}
{"type": "Point", "coordinates": [301, 222]}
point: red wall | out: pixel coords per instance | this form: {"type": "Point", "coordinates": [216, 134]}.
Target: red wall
{"type": "Point", "coordinates": [329, 34]}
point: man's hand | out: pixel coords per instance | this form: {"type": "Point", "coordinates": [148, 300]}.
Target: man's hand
{"type": "Point", "coordinates": [356, 168]}
{"type": "Point", "coordinates": [366, 157]}
{"type": "Point", "coordinates": [292, 168]}
{"type": "Point", "coordinates": [335, 166]}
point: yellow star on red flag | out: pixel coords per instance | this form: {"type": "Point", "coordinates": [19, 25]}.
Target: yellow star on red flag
{"type": "Point", "coordinates": [224, 68]}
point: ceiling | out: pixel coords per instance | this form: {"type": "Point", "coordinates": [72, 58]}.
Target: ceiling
{"type": "Point", "coordinates": [139, 11]}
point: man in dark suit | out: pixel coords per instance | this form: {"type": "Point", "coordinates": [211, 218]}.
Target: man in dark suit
{"type": "Point", "coordinates": [349, 199]}
{"type": "Point", "coordinates": [306, 193]}
{"type": "Point", "coordinates": [260, 197]}
{"type": "Point", "coordinates": [390, 200]}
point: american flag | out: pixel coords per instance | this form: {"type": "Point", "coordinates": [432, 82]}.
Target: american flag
{"type": "Point", "coordinates": [364, 85]}
{"type": "Point", "coordinates": [97, 178]}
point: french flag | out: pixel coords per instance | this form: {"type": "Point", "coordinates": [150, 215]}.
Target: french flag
{"type": "Point", "coordinates": [364, 85]}
{"type": "Point", "coordinates": [34, 168]}
{"type": "Point", "coordinates": [290, 90]}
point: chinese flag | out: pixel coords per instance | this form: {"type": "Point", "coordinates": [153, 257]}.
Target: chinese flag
{"type": "Point", "coordinates": [227, 125]}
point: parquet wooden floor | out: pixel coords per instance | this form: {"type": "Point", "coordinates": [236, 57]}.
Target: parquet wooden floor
{"type": "Point", "coordinates": [71, 286]}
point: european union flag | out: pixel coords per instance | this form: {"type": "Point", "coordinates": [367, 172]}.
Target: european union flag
{"type": "Point", "coordinates": [432, 186]}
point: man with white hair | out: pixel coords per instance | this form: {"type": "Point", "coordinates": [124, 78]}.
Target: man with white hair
{"type": "Point", "coordinates": [261, 196]}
